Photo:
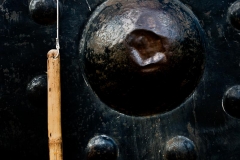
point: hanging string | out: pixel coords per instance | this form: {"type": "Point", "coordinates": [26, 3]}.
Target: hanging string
{"type": "Point", "coordinates": [57, 39]}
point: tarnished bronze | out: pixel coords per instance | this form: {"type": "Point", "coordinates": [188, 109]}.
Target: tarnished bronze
{"type": "Point", "coordinates": [142, 58]}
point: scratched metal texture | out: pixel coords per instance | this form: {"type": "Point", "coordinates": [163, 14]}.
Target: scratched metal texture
{"type": "Point", "coordinates": [23, 127]}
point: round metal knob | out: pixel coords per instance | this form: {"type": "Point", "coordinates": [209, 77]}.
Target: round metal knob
{"type": "Point", "coordinates": [180, 148]}
{"type": "Point", "coordinates": [43, 12]}
{"type": "Point", "coordinates": [234, 14]}
{"type": "Point", "coordinates": [142, 58]}
{"type": "Point", "coordinates": [231, 101]}
{"type": "Point", "coordinates": [37, 91]}
{"type": "Point", "coordinates": [102, 148]}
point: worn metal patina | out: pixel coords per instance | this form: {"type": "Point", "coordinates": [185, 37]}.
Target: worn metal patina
{"type": "Point", "coordinates": [141, 79]}
{"type": "Point", "coordinates": [143, 58]}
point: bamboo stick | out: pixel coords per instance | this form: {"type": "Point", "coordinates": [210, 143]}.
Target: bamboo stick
{"type": "Point", "coordinates": [54, 106]}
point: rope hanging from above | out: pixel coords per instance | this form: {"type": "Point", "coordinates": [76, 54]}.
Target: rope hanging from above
{"type": "Point", "coordinates": [57, 39]}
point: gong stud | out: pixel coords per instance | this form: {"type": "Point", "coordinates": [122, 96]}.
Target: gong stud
{"type": "Point", "coordinates": [234, 14]}
{"type": "Point", "coordinates": [231, 101]}
{"type": "Point", "coordinates": [44, 12]}
{"type": "Point", "coordinates": [180, 148]}
{"type": "Point", "coordinates": [37, 91]}
{"type": "Point", "coordinates": [102, 147]}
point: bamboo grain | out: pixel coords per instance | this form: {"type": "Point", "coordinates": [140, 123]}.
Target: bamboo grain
{"type": "Point", "coordinates": [54, 106]}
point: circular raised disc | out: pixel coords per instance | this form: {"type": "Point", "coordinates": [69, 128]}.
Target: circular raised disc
{"type": "Point", "coordinates": [102, 148]}
{"type": "Point", "coordinates": [231, 101]}
{"type": "Point", "coordinates": [142, 58]}
{"type": "Point", "coordinates": [37, 91]}
{"type": "Point", "coordinates": [43, 12]}
{"type": "Point", "coordinates": [180, 148]}
{"type": "Point", "coordinates": [234, 14]}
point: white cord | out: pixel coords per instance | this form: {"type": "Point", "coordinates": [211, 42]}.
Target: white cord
{"type": "Point", "coordinates": [57, 39]}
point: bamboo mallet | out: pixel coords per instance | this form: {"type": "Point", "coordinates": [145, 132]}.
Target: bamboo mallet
{"type": "Point", "coordinates": [54, 106]}
{"type": "Point", "coordinates": [54, 100]}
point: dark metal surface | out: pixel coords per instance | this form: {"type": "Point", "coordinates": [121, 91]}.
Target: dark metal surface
{"type": "Point", "coordinates": [209, 130]}
{"type": "Point", "coordinates": [143, 58]}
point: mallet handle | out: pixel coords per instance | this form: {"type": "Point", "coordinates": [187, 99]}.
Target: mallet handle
{"type": "Point", "coordinates": [54, 106]}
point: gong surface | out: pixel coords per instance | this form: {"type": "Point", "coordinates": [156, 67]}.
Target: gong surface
{"type": "Point", "coordinates": [114, 104]}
